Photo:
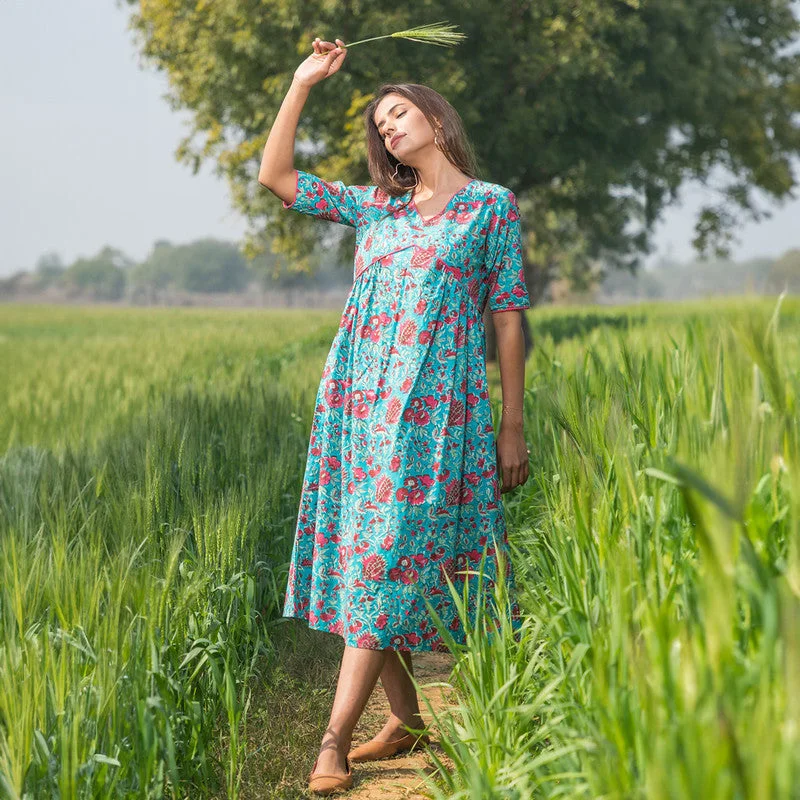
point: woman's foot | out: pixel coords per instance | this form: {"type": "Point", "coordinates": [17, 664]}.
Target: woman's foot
{"type": "Point", "coordinates": [392, 739]}
{"type": "Point", "coordinates": [331, 759]}
{"type": "Point", "coordinates": [322, 784]}
{"type": "Point", "coordinates": [394, 728]}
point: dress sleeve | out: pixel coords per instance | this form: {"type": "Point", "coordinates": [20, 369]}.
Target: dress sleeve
{"type": "Point", "coordinates": [333, 201]}
{"type": "Point", "coordinates": [506, 275]}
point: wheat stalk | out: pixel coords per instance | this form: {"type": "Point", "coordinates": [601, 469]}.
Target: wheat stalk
{"type": "Point", "coordinates": [438, 33]}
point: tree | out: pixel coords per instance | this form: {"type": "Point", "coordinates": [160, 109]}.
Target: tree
{"type": "Point", "coordinates": [154, 274]}
{"type": "Point", "coordinates": [785, 273]}
{"type": "Point", "coordinates": [207, 265]}
{"type": "Point", "coordinates": [593, 112]}
{"type": "Point", "coordinates": [645, 284]}
{"type": "Point", "coordinates": [100, 278]}
{"type": "Point", "coordinates": [49, 269]}
{"type": "Point", "coordinates": [116, 257]}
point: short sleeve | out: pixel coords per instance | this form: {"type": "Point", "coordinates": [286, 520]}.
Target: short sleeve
{"type": "Point", "coordinates": [333, 201]}
{"type": "Point", "coordinates": [506, 274]}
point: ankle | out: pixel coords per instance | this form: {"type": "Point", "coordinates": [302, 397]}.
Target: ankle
{"type": "Point", "coordinates": [338, 743]}
{"type": "Point", "coordinates": [412, 720]}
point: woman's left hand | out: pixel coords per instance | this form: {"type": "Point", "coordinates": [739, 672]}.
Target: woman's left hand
{"type": "Point", "coordinates": [512, 458]}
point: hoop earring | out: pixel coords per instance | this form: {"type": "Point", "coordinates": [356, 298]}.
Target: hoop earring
{"type": "Point", "coordinates": [436, 140]}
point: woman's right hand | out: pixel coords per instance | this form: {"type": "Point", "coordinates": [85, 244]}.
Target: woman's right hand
{"type": "Point", "coordinates": [322, 63]}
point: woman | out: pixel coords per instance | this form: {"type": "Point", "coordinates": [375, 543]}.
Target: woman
{"type": "Point", "coordinates": [401, 488]}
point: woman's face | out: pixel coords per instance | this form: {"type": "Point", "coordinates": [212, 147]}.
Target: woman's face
{"type": "Point", "coordinates": [402, 126]}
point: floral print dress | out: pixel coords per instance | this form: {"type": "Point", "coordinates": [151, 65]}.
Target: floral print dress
{"type": "Point", "coordinates": [401, 485]}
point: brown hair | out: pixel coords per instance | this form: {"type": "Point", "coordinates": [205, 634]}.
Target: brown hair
{"type": "Point", "coordinates": [452, 139]}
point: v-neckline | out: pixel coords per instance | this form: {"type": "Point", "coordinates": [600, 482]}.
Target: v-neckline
{"type": "Point", "coordinates": [413, 203]}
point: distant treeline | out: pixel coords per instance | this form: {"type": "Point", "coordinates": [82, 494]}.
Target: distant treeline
{"type": "Point", "coordinates": [207, 266]}
{"type": "Point", "coordinates": [211, 267]}
{"type": "Point", "coordinates": [671, 280]}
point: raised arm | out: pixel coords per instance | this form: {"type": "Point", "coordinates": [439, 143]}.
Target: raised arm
{"type": "Point", "coordinates": [277, 172]}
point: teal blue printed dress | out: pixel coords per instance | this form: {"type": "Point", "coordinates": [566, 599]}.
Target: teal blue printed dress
{"type": "Point", "coordinates": [401, 484]}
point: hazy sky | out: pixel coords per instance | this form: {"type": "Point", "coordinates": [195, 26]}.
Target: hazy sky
{"type": "Point", "coordinates": [87, 143]}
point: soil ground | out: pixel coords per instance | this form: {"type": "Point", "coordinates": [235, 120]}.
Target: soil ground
{"type": "Point", "coordinates": [290, 708]}
{"type": "Point", "coordinates": [396, 778]}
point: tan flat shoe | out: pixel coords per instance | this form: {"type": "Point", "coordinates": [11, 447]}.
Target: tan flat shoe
{"type": "Point", "coordinates": [329, 784]}
{"type": "Point", "coordinates": [375, 750]}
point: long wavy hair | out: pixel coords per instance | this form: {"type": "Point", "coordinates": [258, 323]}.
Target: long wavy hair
{"type": "Point", "coordinates": [451, 138]}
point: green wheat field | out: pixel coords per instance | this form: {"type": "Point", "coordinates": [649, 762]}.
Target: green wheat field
{"type": "Point", "coordinates": [150, 469]}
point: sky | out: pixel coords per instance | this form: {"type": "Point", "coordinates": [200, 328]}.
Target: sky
{"type": "Point", "coordinates": [87, 145]}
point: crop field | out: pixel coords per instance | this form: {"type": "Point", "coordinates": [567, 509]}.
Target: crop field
{"type": "Point", "coordinates": [150, 469]}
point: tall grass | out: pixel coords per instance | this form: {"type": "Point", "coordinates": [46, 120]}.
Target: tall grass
{"type": "Point", "coordinates": [657, 549]}
{"type": "Point", "coordinates": [147, 502]}
{"type": "Point", "coordinates": [150, 468]}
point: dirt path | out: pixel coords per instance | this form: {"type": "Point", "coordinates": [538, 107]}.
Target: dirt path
{"type": "Point", "coordinates": [395, 778]}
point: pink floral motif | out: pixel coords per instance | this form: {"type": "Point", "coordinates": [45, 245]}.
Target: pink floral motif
{"type": "Point", "coordinates": [368, 641]}
{"type": "Point", "coordinates": [413, 489]}
{"type": "Point", "coordinates": [407, 332]}
{"type": "Point", "coordinates": [373, 334]}
{"type": "Point", "coordinates": [373, 567]}
{"type": "Point", "coordinates": [462, 212]}
{"type": "Point", "coordinates": [422, 256]}
{"type": "Point", "coordinates": [393, 409]}
{"type": "Point", "coordinates": [333, 395]}
{"type": "Point", "coordinates": [453, 493]}
{"type": "Point", "coordinates": [456, 413]}
{"type": "Point", "coordinates": [451, 269]}
{"type": "Point", "coordinates": [383, 489]}
{"type": "Point", "coordinates": [417, 410]}
{"type": "Point", "coordinates": [448, 567]}
{"type": "Point", "coordinates": [404, 572]}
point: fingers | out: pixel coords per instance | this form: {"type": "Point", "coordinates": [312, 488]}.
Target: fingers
{"type": "Point", "coordinates": [340, 53]}
{"type": "Point", "coordinates": [324, 48]}
{"type": "Point", "coordinates": [509, 478]}
{"type": "Point", "coordinates": [513, 475]}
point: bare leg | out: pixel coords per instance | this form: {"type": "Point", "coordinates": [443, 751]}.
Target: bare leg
{"type": "Point", "coordinates": [402, 697]}
{"type": "Point", "coordinates": [357, 677]}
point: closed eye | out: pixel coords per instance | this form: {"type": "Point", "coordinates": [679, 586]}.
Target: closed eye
{"type": "Point", "coordinates": [402, 113]}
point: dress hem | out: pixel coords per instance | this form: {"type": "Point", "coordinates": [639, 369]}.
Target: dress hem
{"type": "Point", "coordinates": [516, 623]}
{"type": "Point", "coordinates": [351, 641]}
{"type": "Point", "coordinates": [510, 308]}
